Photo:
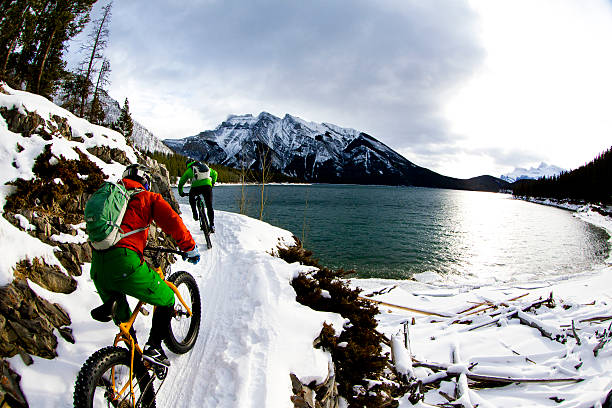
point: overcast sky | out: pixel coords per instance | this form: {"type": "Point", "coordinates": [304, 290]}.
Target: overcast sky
{"type": "Point", "coordinates": [462, 87]}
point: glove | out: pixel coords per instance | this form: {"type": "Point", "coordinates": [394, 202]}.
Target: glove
{"type": "Point", "coordinates": [192, 256]}
{"type": "Point", "coordinates": [182, 194]}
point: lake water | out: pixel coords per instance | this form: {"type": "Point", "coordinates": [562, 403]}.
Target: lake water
{"type": "Point", "coordinates": [397, 232]}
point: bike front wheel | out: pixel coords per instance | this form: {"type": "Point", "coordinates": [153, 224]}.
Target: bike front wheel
{"type": "Point", "coordinates": [183, 329]}
{"type": "Point", "coordinates": [104, 381]}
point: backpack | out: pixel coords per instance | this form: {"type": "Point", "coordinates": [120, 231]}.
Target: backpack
{"type": "Point", "coordinates": [200, 171]}
{"type": "Point", "coordinates": [104, 213]}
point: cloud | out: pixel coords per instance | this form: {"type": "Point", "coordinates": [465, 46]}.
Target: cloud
{"type": "Point", "coordinates": [462, 87]}
{"type": "Point", "coordinates": [380, 67]}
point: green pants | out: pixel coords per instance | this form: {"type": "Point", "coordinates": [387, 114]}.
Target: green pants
{"type": "Point", "coordinates": [119, 271]}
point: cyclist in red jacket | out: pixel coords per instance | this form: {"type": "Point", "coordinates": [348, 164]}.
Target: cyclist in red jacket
{"type": "Point", "coordinates": [121, 270]}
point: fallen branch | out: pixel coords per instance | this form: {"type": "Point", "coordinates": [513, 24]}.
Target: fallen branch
{"type": "Point", "coordinates": [605, 339]}
{"type": "Point", "coordinates": [491, 305]}
{"type": "Point", "coordinates": [578, 342]}
{"type": "Point", "coordinates": [600, 318]}
{"type": "Point", "coordinates": [547, 331]}
{"type": "Point", "coordinates": [425, 312]}
{"type": "Point", "coordinates": [462, 390]}
{"type": "Point", "coordinates": [483, 378]}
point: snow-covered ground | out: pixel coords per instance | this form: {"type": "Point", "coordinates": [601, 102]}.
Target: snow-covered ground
{"type": "Point", "coordinates": [252, 335]}
{"type": "Point", "coordinates": [508, 348]}
{"type": "Point", "coordinates": [253, 332]}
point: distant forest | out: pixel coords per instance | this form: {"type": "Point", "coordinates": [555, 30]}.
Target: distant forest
{"type": "Point", "coordinates": [176, 165]}
{"type": "Point", "coordinates": [591, 182]}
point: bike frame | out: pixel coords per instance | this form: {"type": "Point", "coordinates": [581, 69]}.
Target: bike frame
{"type": "Point", "coordinates": [125, 336]}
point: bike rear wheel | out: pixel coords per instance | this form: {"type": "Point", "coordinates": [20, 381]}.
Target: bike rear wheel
{"type": "Point", "coordinates": [204, 223]}
{"type": "Point", "coordinates": [104, 381]}
{"type": "Point", "coordinates": [183, 329]}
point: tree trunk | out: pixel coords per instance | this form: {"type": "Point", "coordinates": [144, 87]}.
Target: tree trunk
{"type": "Point", "coordinates": [13, 42]}
{"type": "Point", "coordinates": [44, 59]}
{"type": "Point", "coordinates": [90, 65]}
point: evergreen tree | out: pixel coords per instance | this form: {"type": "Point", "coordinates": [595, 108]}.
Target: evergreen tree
{"type": "Point", "coordinates": [590, 182]}
{"type": "Point", "coordinates": [97, 42]}
{"type": "Point", "coordinates": [33, 37]}
{"type": "Point", "coordinates": [96, 112]}
{"type": "Point", "coordinates": [125, 124]}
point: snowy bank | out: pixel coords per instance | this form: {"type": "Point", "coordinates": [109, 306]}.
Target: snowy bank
{"type": "Point", "coordinates": [488, 328]}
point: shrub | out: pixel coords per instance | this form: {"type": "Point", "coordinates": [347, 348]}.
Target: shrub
{"type": "Point", "coordinates": [357, 351]}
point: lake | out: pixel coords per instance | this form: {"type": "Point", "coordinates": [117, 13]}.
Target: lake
{"type": "Point", "coordinates": [398, 232]}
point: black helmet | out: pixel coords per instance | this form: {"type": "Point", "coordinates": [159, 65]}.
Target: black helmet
{"type": "Point", "coordinates": [140, 173]}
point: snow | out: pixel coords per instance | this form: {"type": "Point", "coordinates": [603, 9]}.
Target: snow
{"type": "Point", "coordinates": [250, 336]}
{"type": "Point", "coordinates": [17, 156]}
{"type": "Point", "coordinates": [506, 349]}
{"type": "Point", "coordinates": [543, 170]}
{"type": "Point", "coordinates": [253, 333]}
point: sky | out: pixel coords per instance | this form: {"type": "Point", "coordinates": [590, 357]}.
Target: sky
{"type": "Point", "coordinates": [462, 87]}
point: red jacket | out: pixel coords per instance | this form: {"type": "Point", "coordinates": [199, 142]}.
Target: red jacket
{"type": "Point", "coordinates": [146, 207]}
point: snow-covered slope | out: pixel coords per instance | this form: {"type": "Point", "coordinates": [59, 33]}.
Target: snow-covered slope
{"type": "Point", "coordinates": [143, 139]}
{"type": "Point", "coordinates": [252, 335]}
{"type": "Point", "coordinates": [17, 156]}
{"type": "Point", "coordinates": [543, 170]}
{"type": "Point", "coordinates": [313, 152]}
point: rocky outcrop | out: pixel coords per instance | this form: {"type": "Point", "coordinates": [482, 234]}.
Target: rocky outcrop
{"type": "Point", "coordinates": [27, 322]}
{"type": "Point", "coordinates": [50, 208]}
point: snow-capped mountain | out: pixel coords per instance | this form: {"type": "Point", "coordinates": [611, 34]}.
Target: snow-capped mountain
{"type": "Point", "coordinates": [313, 152]}
{"type": "Point", "coordinates": [143, 139]}
{"type": "Point", "coordinates": [543, 170]}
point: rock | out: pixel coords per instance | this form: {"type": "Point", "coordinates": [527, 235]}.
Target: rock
{"type": "Point", "coordinates": [49, 277]}
{"type": "Point", "coordinates": [27, 322]}
{"type": "Point", "coordinates": [108, 155]}
{"type": "Point", "coordinates": [10, 392]}
{"type": "Point", "coordinates": [161, 182]}
{"type": "Point", "coordinates": [20, 123]}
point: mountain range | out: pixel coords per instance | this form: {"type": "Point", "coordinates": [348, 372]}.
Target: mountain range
{"type": "Point", "coordinates": [313, 152]}
{"type": "Point", "coordinates": [533, 173]}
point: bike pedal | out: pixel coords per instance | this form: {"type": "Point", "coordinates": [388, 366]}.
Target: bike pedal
{"type": "Point", "coordinates": [160, 371]}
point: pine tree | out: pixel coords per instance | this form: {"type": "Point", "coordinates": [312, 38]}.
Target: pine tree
{"type": "Point", "coordinates": [97, 43]}
{"type": "Point", "coordinates": [125, 124]}
{"type": "Point", "coordinates": [96, 112]}
{"type": "Point", "coordinates": [33, 37]}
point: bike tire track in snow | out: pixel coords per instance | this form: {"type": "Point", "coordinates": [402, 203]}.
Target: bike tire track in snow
{"type": "Point", "coordinates": [240, 357]}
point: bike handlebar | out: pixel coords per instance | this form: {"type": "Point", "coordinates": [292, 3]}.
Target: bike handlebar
{"type": "Point", "coordinates": [162, 249]}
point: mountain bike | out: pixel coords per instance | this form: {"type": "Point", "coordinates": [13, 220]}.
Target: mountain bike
{"type": "Point", "coordinates": [204, 226]}
{"type": "Point", "coordinates": [116, 376]}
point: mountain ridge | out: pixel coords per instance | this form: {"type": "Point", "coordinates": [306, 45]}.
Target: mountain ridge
{"type": "Point", "coordinates": [533, 173]}
{"type": "Point", "coordinates": [314, 152]}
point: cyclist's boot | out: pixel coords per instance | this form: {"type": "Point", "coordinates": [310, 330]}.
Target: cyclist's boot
{"type": "Point", "coordinates": [212, 228]}
{"type": "Point", "coordinates": [106, 311]}
{"type": "Point", "coordinates": [155, 354]}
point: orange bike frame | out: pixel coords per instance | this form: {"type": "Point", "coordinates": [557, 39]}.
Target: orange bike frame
{"type": "Point", "coordinates": [125, 336]}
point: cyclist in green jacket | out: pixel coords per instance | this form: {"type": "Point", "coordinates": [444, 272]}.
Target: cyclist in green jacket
{"type": "Point", "coordinates": [203, 178]}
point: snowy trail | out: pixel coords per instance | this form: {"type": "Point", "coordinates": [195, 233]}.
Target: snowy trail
{"type": "Point", "coordinates": [231, 363]}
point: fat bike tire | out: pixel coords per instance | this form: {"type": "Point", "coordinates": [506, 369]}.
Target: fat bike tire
{"type": "Point", "coordinates": [204, 226]}
{"type": "Point", "coordinates": [93, 387]}
{"type": "Point", "coordinates": [183, 330]}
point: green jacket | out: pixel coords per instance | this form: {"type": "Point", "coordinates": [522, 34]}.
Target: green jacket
{"type": "Point", "coordinates": [188, 175]}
